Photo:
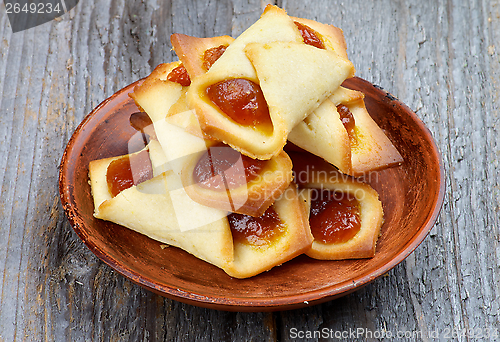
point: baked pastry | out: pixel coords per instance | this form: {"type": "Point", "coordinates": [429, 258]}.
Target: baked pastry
{"type": "Point", "coordinates": [241, 245]}
{"type": "Point", "coordinates": [330, 131]}
{"type": "Point", "coordinates": [213, 174]}
{"type": "Point", "coordinates": [266, 82]}
{"type": "Point", "coordinates": [343, 133]}
{"type": "Point", "coordinates": [214, 179]}
{"type": "Point", "coordinates": [371, 149]}
{"type": "Point", "coordinates": [223, 178]}
{"type": "Point", "coordinates": [262, 243]}
{"type": "Point", "coordinates": [199, 54]}
{"type": "Point", "coordinates": [218, 176]}
{"type": "Point", "coordinates": [349, 201]}
{"type": "Point", "coordinates": [148, 208]}
{"type": "Point", "coordinates": [345, 215]}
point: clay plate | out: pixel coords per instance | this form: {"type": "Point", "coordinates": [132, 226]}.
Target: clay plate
{"type": "Point", "coordinates": [412, 195]}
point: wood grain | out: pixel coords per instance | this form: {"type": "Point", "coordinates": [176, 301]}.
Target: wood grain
{"type": "Point", "coordinates": [439, 57]}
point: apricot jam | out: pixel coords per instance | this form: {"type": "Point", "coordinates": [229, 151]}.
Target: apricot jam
{"type": "Point", "coordinates": [334, 217]}
{"type": "Point", "coordinates": [310, 36]}
{"type": "Point", "coordinates": [347, 120]}
{"type": "Point", "coordinates": [257, 231]}
{"type": "Point", "coordinates": [223, 168]}
{"type": "Point", "coordinates": [241, 100]}
{"type": "Point", "coordinates": [211, 55]}
{"type": "Point", "coordinates": [127, 171]}
{"type": "Point", "coordinates": [179, 75]}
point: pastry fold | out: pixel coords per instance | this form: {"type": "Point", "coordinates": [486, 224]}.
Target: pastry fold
{"type": "Point", "coordinates": [371, 149]}
{"type": "Point", "coordinates": [293, 239]}
{"type": "Point", "coordinates": [294, 78]}
{"type": "Point", "coordinates": [156, 94]}
{"type": "Point", "coordinates": [317, 176]}
{"type": "Point", "coordinates": [192, 51]}
{"type": "Point", "coordinates": [331, 36]}
{"type": "Point", "coordinates": [184, 143]}
{"type": "Point", "coordinates": [323, 134]}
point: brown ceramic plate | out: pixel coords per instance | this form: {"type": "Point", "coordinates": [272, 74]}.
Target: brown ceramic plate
{"type": "Point", "coordinates": [411, 194]}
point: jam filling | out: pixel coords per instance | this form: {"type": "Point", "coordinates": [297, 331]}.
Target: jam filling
{"type": "Point", "coordinates": [347, 120]}
{"type": "Point", "coordinates": [257, 231]}
{"type": "Point", "coordinates": [211, 55]}
{"type": "Point", "coordinates": [334, 217]}
{"type": "Point", "coordinates": [310, 36]}
{"type": "Point", "coordinates": [223, 168]}
{"type": "Point", "coordinates": [179, 75]}
{"type": "Point", "coordinates": [241, 100]}
{"type": "Point", "coordinates": [141, 122]}
{"type": "Point", "coordinates": [127, 171]}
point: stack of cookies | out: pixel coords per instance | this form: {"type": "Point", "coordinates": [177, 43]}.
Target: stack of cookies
{"type": "Point", "coordinates": [253, 151]}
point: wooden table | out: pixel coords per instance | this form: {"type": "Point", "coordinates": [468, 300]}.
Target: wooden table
{"type": "Point", "coordinates": [441, 58]}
